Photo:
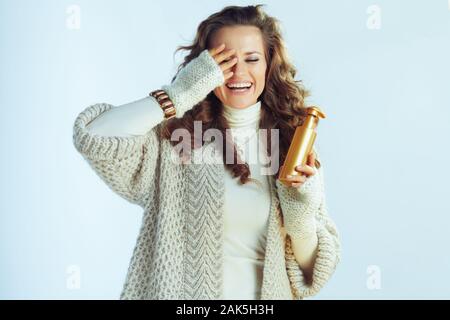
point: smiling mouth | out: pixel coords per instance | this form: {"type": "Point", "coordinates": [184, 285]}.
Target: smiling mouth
{"type": "Point", "coordinates": [241, 89]}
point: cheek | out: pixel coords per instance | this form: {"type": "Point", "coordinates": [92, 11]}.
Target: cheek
{"type": "Point", "coordinates": [259, 74]}
{"type": "Point", "coordinates": [260, 79]}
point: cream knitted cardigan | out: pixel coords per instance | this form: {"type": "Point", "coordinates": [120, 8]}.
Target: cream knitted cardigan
{"type": "Point", "coordinates": [178, 253]}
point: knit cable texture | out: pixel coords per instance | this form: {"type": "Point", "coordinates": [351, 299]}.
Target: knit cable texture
{"type": "Point", "coordinates": [178, 252]}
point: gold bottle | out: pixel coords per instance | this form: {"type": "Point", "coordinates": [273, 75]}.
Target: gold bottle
{"type": "Point", "coordinates": [301, 145]}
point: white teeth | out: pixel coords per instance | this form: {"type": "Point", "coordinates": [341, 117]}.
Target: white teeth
{"type": "Point", "coordinates": [239, 85]}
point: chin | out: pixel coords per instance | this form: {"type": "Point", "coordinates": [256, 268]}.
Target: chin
{"type": "Point", "coordinates": [239, 104]}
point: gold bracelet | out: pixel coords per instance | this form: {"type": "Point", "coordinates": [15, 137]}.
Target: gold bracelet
{"type": "Point", "coordinates": [165, 103]}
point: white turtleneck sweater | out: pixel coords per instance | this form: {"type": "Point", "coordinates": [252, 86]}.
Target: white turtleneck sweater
{"type": "Point", "coordinates": [246, 211]}
{"type": "Point", "coordinates": [246, 206]}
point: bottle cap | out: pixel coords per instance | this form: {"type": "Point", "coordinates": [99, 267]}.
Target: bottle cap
{"type": "Point", "coordinates": [315, 111]}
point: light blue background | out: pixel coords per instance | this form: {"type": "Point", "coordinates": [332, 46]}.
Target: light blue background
{"type": "Point", "coordinates": [384, 144]}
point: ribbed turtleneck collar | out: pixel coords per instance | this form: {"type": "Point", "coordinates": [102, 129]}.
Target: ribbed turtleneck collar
{"type": "Point", "coordinates": [243, 118]}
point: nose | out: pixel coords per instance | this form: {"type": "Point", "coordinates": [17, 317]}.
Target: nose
{"type": "Point", "coordinates": [240, 67]}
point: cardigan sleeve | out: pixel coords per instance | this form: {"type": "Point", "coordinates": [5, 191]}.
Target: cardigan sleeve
{"type": "Point", "coordinates": [328, 254]}
{"type": "Point", "coordinates": [124, 158]}
{"type": "Point", "coordinates": [123, 143]}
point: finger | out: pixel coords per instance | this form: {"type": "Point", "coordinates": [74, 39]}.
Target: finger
{"type": "Point", "coordinates": [312, 159]}
{"type": "Point", "coordinates": [306, 169]}
{"type": "Point", "coordinates": [227, 65]}
{"type": "Point", "coordinates": [296, 179]}
{"type": "Point", "coordinates": [216, 50]}
{"type": "Point", "coordinates": [228, 75]}
{"type": "Point", "coordinates": [224, 55]}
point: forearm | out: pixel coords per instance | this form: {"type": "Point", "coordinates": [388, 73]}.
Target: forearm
{"type": "Point", "coordinates": [193, 83]}
{"type": "Point", "coordinates": [305, 252]}
{"type": "Point", "coordinates": [313, 245]}
{"type": "Point", "coordinates": [301, 207]}
{"type": "Point", "coordinates": [131, 119]}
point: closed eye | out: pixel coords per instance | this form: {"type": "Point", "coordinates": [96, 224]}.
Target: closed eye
{"type": "Point", "coordinates": [255, 60]}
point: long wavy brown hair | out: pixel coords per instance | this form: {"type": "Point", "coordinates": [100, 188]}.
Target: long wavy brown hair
{"type": "Point", "coordinates": [282, 100]}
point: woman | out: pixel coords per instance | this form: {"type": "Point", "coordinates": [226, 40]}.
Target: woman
{"type": "Point", "coordinates": [207, 231]}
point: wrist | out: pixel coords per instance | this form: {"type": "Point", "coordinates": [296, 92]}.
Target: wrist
{"type": "Point", "coordinates": [194, 82]}
{"type": "Point", "coordinates": [165, 103]}
{"type": "Point", "coordinates": [301, 228]}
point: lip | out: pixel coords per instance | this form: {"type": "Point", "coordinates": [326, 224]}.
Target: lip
{"type": "Point", "coordinates": [237, 93]}
{"type": "Point", "coordinates": [239, 81]}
